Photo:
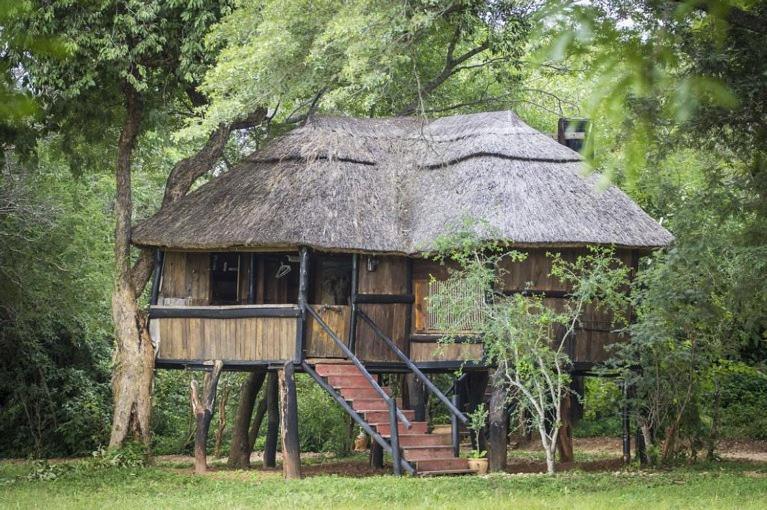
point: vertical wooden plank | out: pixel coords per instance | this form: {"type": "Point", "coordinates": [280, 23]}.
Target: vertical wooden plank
{"type": "Point", "coordinates": [198, 278]}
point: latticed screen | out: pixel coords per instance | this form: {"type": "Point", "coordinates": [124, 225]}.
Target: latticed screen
{"type": "Point", "coordinates": [466, 308]}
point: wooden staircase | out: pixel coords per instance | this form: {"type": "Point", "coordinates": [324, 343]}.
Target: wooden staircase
{"type": "Point", "coordinates": [430, 454]}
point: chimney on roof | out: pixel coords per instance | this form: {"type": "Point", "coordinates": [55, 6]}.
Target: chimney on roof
{"type": "Point", "coordinates": [572, 133]}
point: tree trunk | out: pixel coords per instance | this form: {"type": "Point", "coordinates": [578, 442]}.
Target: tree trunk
{"type": "Point", "coordinates": [203, 412]}
{"type": "Point", "coordinates": [239, 452]}
{"type": "Point", "coordinates": [134, 352]}
{"type": "Point", "coordinates": [550, 464]}
{"type": "Point", "coordinates": [273, 421]}
{"type": "Point", "coordinates": [565, 436]}
{"type": "Point", "coordinates": [258, 418]}
{"type": "Point", "coordinates": [548, 448]}
{"type": "Point", "coordinates": [291, 452]}
{"type": "Point", "coordinates": [133, 372]}
{"type": "Point", "coordinates": [498, 431]}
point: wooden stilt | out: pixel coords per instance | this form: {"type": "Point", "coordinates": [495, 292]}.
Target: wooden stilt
{"type": "Point", "coordinates": [376, 455]}
{"type": "Point", "coordinates": [239, 452]}
{"type": "Point", "coordinates": [203, 412]}
{"type": "Point", "coordinates": [626, 426]}
{"type": "Point", "coordinates": [258, 418]}
{"type": "Point", "coordinates": [565, 437]}
{"type": "Point", "coordinates": [498, 430]}
{"type": "Point", "coordinates": [291, 452]}
{"type": "Point", "coordinates": [272, 421]}
{"type": "Point", "coordinates": [416, 396]}
{"type": "Point", "coordinates": [476, 384]}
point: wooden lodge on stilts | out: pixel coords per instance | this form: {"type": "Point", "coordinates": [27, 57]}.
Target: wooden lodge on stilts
{"type": "Point", "coordinates": [308, 257]}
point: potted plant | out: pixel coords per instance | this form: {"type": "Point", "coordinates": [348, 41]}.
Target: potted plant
{"type": "Point", "coordinates": [477, 457]}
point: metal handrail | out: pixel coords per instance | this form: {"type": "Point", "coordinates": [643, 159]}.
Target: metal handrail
{"type": "Point", "coordinates": [349, 354]}
{"type": "Point", "coordinates": [390, 448]}
{"type": "Point", "coordinates": [409, 363]}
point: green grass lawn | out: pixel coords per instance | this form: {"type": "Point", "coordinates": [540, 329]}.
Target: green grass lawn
{"type": "Point", "coordinates": [722, 485]}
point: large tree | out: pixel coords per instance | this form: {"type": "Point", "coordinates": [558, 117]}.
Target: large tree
{"type": "Point", "coordinates": [129, 63]}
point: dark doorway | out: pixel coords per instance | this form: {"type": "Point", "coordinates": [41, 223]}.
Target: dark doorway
{"type": "Point", "coordinates": [224, 277]}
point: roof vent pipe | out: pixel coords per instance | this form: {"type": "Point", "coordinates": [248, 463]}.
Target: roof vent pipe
{"type": "Point", "coordinates": [571, 132]}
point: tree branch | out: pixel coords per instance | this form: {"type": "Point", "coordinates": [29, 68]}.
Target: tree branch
{"type": "Point", "coordinates": [183, 176]}
{"type": "Point", "coordinates": [452, 65]}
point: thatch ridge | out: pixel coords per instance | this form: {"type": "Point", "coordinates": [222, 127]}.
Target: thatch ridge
{"type": "Point", "coordinates": [394, 185]}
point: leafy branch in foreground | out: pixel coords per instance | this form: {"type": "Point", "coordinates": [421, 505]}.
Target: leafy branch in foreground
{"type": "Point", "coordinates": [525, 336]}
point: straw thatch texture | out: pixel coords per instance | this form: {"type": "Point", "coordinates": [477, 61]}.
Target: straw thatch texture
{"type": "Point", "coordinates": [394, 185]}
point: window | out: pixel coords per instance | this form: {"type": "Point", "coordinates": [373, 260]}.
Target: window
{"type": "Point", "coordinates": [224, 278]}
{"type": "Point", "coordinates": [464, 306]}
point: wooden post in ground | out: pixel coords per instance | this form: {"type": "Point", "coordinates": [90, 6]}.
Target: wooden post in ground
{"type": "Point", "coordinates": [272, 421]}
{"type": "Point", "coordinates": [626, 426]}
{"type": "Point", "coordinates": [476, 384]}
{"type": "Point", "coordinates": [203, 412]}
{"type": "Point", "coordinates": [291, 452]}
{"type": "Point", "coordinates": [239, 452]}
{"type": "Point", "coordinates": [565, 436]}
{"type": "Point", "coordinates": [258, 418]}
{"type": "Point", "coordinates": [376, 455]}
{"type": "Point", "coordinates": [416, 395]}
{"type": "Point", "coordinates": [498, 432]}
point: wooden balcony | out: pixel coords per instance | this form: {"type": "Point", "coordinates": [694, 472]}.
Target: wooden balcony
{"type": "Point", "coordinates": [243, 333]}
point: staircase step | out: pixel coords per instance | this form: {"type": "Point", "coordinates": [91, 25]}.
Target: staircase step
{"type": "Point", "coordinates": [369, 404]}
{"type": "Point", "coordinates": [406, 440]}
{"type": "Point", "coordinates": [414, 453]}
{"type": "Point", "coordinates": [350, 392]}
{"type": "Point", "coordinates": [326, 369]}
{"type": "Point", "coordinates": [383, 416]}
{"type": "Point", "coordinates": [418, 427]}
{"type": "Point", "coordinates": [431, 465]}
{"type": "Point", "coordinates": [357, 381]}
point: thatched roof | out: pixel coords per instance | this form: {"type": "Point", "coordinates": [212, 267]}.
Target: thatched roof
{"type": "Point", "coordinates": [395, 185]}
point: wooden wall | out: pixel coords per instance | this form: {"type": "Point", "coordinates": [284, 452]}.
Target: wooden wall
{"type": "Point", "coordinates": [185, 279]}
{"type": "Point", "coordinates": [388, 278]}
{"type": "Point", "coordinates": [531, 274]}
{"type": "Point", "coordinates": [240, 339]}
{"type": "Point", "coordinates": [433, 351]}
{"type": "Point", "coordinates": [318, 342]}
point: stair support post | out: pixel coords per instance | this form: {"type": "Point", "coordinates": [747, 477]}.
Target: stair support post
{"type": "Point", "coordinates": [394, 438]}
{"type": "Point", "coordinates": [303, 299]}
{"type": "Point", "coordinates": [454, 429]}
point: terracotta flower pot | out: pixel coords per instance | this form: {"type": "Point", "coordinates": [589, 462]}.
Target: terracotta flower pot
{"type": "Point", "coordinates": [478, 465]}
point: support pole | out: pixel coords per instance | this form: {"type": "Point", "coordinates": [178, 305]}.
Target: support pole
{"type": "Point", "coordinates": [303, 294]}
{"type": "Point", "coordinates": [353, 316]}
{"type": "Point", "coordinates": [394, 438]}
{"type": "Point", "coordinates": [476, 384]}
{"type": "Point", "coordinates": [252, 280]}
{"type": "Point", "coordinates": [159, 256]}
{"type": "Point", "coordinates": [376, 455]}
{"type": "Point", "coordinates": [291, 453]}
{"type": "Point", "coordinates": [239, 451]}
{"type": "Point", "coordinates": [626, 426]}
{"type": "Point", "coordinates": [498, 430]}
{"type": "Point", "coordinates": [416, 396]}
{"type": "Point", "coordinates": [565, 436]}
{"type": "Point", "coordinates": [455, 430]}
{"type": "Point", "coordinates": [258, 418]}
{"type": "Point", "coordinates": [202, 407]}
{"type": "Point", "coordinates": [272, 421]}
